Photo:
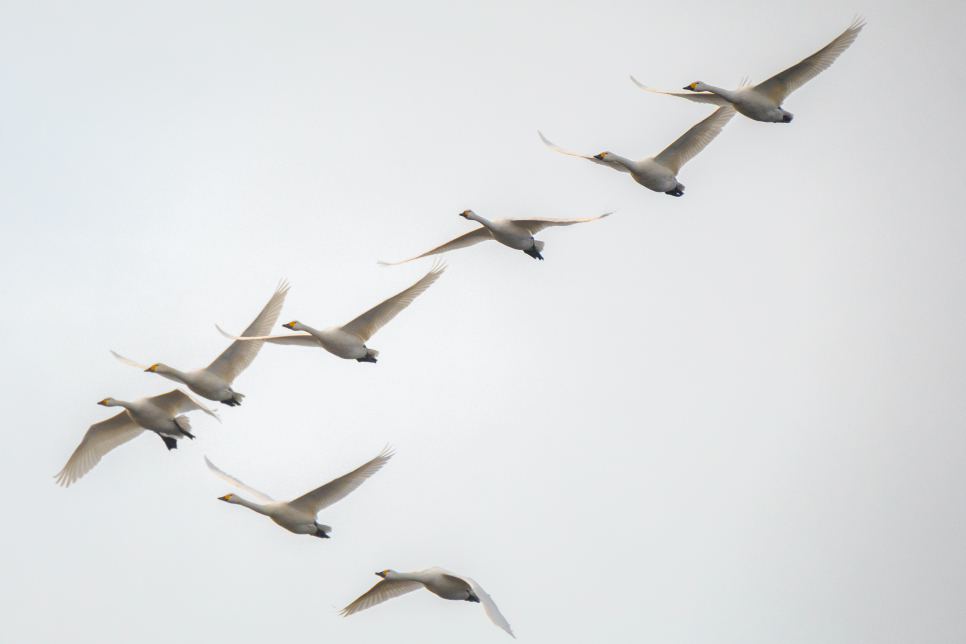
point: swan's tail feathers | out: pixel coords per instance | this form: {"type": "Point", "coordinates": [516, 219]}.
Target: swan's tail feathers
{"type": "Point", "coordinates": [169, 442]}
{"type": "Point", "coordinates": [371, 355]}
{"type": "Point", "coordinates": [234, 400]}
{"type": "Point", "coordinates": [534, 251]}
{"type": "Point", "coordinates": [184, 424]}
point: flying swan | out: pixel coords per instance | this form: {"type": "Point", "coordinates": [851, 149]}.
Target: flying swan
{"type": "Point", "coordinates": [659, 173]}
{"type": "Point", "coordinates": [159, 414]}
{"type": "Point", "coordinates": [437, 581]}
{"type": "Point", "coordinates": [214, 381]}
{"type": "Point", "coordinates": [298, 515]}
{"type": "Point", "coordinates": [349, 340]}
{"type": "Point", "coordinates": [515, 233]}
{"type": "Point", "coordinates": [762, 102]}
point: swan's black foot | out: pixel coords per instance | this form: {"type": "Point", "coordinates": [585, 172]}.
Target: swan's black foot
{"type": "Point", "coordinates": [787, 118]}
{"type": "Point", "coordinates": [231, 402]}
{"type": "Point", "coordinates": [473, 598]}
{"type": "Point", "coordinates": [677, 192]}
{"type": "Point", "coordinates": [534, 253]}
{"type": "Point", "coordinates": [186, 433]}
{"type": "Point", "coordinates": [369, 358]}
{"type": "Point", "coordinates": [170, 443]}
{"type": "Point", "coordinates": [321, 535]}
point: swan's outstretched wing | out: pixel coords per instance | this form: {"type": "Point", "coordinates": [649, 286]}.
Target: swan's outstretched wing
{"type": "Point", "coordinates": [617, 166]}
{"type": "Point", "coordinates": [536, 225]}
{"type": "Point", "coordinates": [142, 367]}
{"type": "Point", "coordinates": [100, 439]}
{"type": "Point", "coordinates": [336, 490]}
{"type": "Point", "coordinates": [488, 604]}
{"type": "Point", "coordinates": [301, 339]}
{"type": "Point", "coordinates": [366, 325]}
{"type": "Point", "coordinates": [694, 140]}
{"type": "Point", "coordinates": [470, 238]}
{"type": "Point", "coordinates": [178, 402]}
{"type": "Point", "coordinates": [239, 355]}
{"type": "Point", "coordinates": [231, 479]}
{"type": "Point", "coordinates": [697, 97]}
{"type": "Point", "coordinates": [779, 86]}
{"type": "Point", "coordinates": [383, 590]}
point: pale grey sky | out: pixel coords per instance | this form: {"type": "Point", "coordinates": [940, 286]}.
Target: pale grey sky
{"type": "Point", "coordinates": [737, 416]}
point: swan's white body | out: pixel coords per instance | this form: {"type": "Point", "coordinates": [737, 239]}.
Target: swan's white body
{"type": "Point", "coordinates": [659, 172]}
{"type": "Point", "coordinates": [441, 583]}
{"type": "Point", "coordinates": [349, 340]}
{"type": "Point", "coordinates": [214, 382]}
{"type": "Point", "coordinates": [159, 414]}
{"type": "Point", "coordinates": [515, 233]}
{"type": "Point", "coordinates": [762, 102]}
{"type": "Point", "coordinates": [299, 515]}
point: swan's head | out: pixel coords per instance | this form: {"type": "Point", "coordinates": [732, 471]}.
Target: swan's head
{"type": "Point", "coordinates": [108, 402]}
{"type": "Point", "coordinates": [696, 86]}
{"type": "Point", "coordinates": [157, 367]}
{"type": "Point", "coordinates": [227, 498]}
{"type": "Point", "coordinates": [291, 325]}
{"type": "Point", "coordinates": [467, 214]}
{"type": "Point", "coordinates": [384, 573]}
{"type": "Point", "coordinates": [603, 156]}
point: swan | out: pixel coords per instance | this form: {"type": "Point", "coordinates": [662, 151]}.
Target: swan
{"type": "Point", "coordinates": [659, 173]}
{"type": "Point", "coordinates": [437, 581]}
{"type": "Point", "coordinates": [159, 414]}
{"type": "Point", "coordinates": [515, 233]}
{"type": "Point", "coordinates": [214, 381]}
{"type": "Point", "coordinates": [298, 515]}
{"type": "Point", "coordinates": [762, 102]}
{"type": "Point", "coordinates": [349, 340]}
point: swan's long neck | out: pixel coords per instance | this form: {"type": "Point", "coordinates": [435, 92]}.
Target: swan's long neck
{"type": "Point", "coordinates": [485, 222]}
{"type": "Point", "coordinates": [261, 509]}
{"type": "Point", "coordinates": [726, 94]}
{"type": "Point", "coordinates": [171, 371]}
{"type": "Point", "coordinates": [410, 576]}
{"type": "Point", "coordinates": [120, 403]}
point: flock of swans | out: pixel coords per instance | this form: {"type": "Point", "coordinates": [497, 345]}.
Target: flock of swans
{"type": "Point", "coordinates": [164, 414]}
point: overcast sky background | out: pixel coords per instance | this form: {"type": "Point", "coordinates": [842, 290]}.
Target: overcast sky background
{"type": "Point", "coordinates": [737, 416]}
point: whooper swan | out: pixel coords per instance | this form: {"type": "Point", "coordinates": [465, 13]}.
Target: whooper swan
{"type": "Point", "coordinates": [659, 173]}
{"type": "Point", "coordinates": [762, 102]}
{"type": "Point", "coordinates": [515, 233]}
{"type": "Point", "coordinates": [214, 381]}
{"type": "Point", "coordinates": [349, 340]}
{"type": "Point", "coordinates": [298, 515]}
{"type": "Point", "coordinates": [159, 414]}
{"type": "Point", "coordinates": [437, 581]}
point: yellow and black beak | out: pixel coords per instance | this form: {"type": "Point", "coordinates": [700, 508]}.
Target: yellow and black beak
{"type": "Point", "coordinates": [690, 87]}
{"type": "Point", "coordinates": [465, 214]}
{"type": "Point", "coordinates": [150, 369]}
{"type": "Point", "coordinates": [224, 498]}
{"type": "Point", "coordinates": [289, 325]}
{"type": "Point", "coordinates": [381, 574]}
{"type": "Point", "coordinates": [102, 402]}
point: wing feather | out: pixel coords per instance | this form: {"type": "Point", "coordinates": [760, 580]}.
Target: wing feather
{"type": "Point", "coordinates": [488, 604]}
{"type": "Point", "coordinates": [383, 590]}
{"type": "Point", "coordinates": [535, 225]}
{"type": "Point", "coordinates": [302, 339]}
{"type": "Point", "coordinates": [100, 439]}
{"type": "Point", "coordinates": [239, 355]}
{"type": "Point", "coordinates": [616, 166]}
{"type": "Point", "coordinates": [177, 402]}
{"type": "Point", "coordinates": [465, 240]}
{"type": "Point", "coordinates": [315, 501]}
{"type": "Point", "coordinates": [696, 139]}
{"type": "Point", "coordinates": [696, 97]}
{"type": "Point", "coordinates": [779, 86]}
{"type": "Point", "coordinates": [231, 479]}
{"type": "Point", "coordinates": [366, 325]}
